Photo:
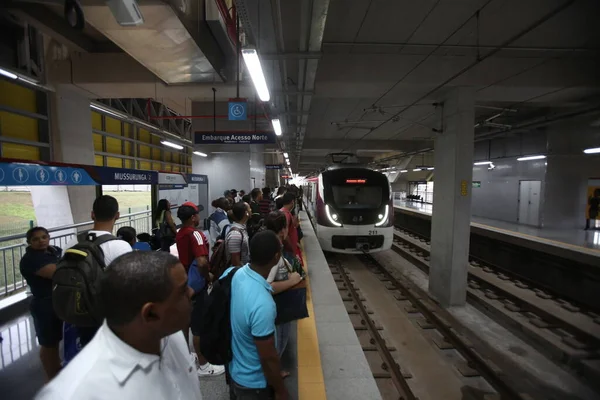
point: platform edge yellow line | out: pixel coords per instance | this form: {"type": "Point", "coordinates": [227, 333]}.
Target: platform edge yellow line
{"type": "Point", "coordinates": [311, 384]}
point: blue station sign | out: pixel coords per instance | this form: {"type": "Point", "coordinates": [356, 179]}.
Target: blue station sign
{"type": "Point", "coordinates": [238, 110]}
{"type": "Point", "coordinates": [25, 174]}
{"type": "Point", "coordinates": [234, 138]}
{"type": "Point", "coordinates": [273, 166]}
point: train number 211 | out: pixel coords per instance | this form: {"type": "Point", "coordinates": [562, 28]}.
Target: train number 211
{"type": "Point", "coordinates": [371, 233]}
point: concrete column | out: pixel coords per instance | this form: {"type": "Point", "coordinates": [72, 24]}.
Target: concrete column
{"type": "Point", "coordinates": [72, 141]}
{"type": "Point", "coordinates": [450, 226]}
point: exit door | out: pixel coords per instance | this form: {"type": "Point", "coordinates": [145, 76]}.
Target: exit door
{"type": "Point", "coordinates": [529, 202]}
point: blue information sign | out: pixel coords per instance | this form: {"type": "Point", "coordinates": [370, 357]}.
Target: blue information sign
{"type": "Point", "coordinates": [23, 174]}
{"type": "Point", "coordinates": [273, 166]}
{"type": "Point", "coordinates": [238, 110]}
{"type": "Point", "coordinates": [234, 138]}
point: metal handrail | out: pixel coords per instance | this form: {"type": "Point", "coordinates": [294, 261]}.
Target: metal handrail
{"type": "Point", "coordinates": [11, 280]}
{"type": "Point", "coordinates": [66, 227]}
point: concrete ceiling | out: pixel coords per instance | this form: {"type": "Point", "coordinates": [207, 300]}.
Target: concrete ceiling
{"type": "Point", "coordinates": [382, 64]}
{"type": "Point", "coordinates": [400, 53]}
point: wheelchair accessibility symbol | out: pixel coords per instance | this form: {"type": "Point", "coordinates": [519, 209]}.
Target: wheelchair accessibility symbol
{"type": "Point", "coordinates": [237, 111]}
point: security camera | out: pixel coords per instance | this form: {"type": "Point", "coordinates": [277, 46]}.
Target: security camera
{"type": "Point", "coordinates": [74, 14]}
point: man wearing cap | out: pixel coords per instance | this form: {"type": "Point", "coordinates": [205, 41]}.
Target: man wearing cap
{"type": "Point", "coordinates": [192, 246]}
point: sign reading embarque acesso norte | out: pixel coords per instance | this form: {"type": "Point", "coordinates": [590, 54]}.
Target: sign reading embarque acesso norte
{"type": "Point", "coordinates": [234, 138]}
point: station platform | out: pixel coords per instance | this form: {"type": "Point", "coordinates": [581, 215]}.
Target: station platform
{"type": "Point", "coordinates": [575, 239]}
{"type": "Point", "coordinates": [324, 356]}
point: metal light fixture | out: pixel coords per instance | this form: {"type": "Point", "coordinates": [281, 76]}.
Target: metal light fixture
{"type": "Point", "coordinates": [277, 126]}
{"type": "Point", "coordinates": [529, 158]}
{"type": "Point", "coordinates": [172, 145]}
{"type": "Point", "coordinates": [256, 73]}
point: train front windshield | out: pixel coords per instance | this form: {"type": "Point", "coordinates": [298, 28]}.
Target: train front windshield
{"type": "Point", "coordinates": [348, 189]}
{"type": "Point", "coordinates": [357, 196]}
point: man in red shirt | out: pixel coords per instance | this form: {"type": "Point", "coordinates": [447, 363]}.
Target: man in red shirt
{"type": "Point", "coordinates": [192, 246]}
{"type": "Point", "coordinates": [291, 243]}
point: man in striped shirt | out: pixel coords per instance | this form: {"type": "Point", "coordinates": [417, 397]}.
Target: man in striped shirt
{"type": "Point", "coordinates": [266, 205]}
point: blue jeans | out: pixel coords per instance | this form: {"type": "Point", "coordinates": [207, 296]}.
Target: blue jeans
{"type": "Point", "coordinates": [283, 334]}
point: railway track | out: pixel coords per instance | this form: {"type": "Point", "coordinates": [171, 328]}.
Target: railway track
{"type": "Point", "coordinates": [443, 356]}
{"type": "Point", "coordinates": [562, 330]}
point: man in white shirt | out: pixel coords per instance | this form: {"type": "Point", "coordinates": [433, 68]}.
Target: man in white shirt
{"type": "Point", "coordinates": [139, 352]}
{"type": "Point", "coordinates": [105, 212]}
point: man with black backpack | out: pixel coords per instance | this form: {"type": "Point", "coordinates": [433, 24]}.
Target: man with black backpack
{"type": "Point", "coordinates": [85, 257]}
{"type": "Point", "coordinates": [238, 324]}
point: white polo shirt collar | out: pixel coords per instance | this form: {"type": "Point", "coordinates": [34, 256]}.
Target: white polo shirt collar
{"type": "Point", "coordinates": [123, 358]}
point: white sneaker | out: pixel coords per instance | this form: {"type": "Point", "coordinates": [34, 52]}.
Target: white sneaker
{"type": "Point", "coordinates": [208, 369]}
{"type": "Point", "coordinates": [211, 370]}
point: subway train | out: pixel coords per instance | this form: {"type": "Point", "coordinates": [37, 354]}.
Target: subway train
{"type": "Point", "coordinates": [352, 210]}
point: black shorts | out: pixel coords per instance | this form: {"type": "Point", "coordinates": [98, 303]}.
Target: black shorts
{"type": "Point", "coordinates": [48, 327]}
{"type": "Point", "coordinates": [197, 309]}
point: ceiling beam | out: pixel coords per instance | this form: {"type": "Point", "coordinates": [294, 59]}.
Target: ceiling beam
{"type": "Point", "coordinates": [292, 56]}
{"type": "Point", "coordinates": [383, 145]}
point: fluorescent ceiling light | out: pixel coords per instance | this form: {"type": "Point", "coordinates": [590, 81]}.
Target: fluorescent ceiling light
{"type": "Point", "coordinates": [8, 74]}
{"type": "Point", "coordinates": [393, 172]}
{"type": "Point", "coordinates": [256, 73]}
{"type": "Point", "coordinates": [595, 150]}
{"type": "Point", "coordinates": [276, 126]}
{"type": "Point", "coordinates": [416, 169]}
{"type": "Point", "coordinates": [171, 144]}
{"type": "Point", "coordinates": [403, 171]}
{"type": "Point", "coordinates": [286, 155]}
{"type": "Point", "coordinates": [529, 158]}
{"type": "Point", "coordinates": [483, 163]}
{"type": "Point", "coordinates": [430, 168]}
{"type": "Point", "coordinates": [201, 154]}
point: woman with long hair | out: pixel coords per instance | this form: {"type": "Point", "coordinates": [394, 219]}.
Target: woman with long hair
{"type": "Point", "coordinates": [281, 277]}
{"type": "Point", "coordinates": [164, 225]}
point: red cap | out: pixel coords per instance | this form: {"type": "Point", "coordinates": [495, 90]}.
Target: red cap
{"type": "Point", "coordinates": [190, 204]}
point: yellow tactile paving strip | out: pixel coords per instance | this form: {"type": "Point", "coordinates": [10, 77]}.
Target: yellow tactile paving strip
{"type": "Point", "coordinates": [311, 385]}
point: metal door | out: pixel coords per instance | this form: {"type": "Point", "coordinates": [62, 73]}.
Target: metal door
{"type": "Point", "coordinates": [529, 202]}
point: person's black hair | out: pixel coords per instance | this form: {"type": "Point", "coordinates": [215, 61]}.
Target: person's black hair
{"type": "Point", "coordinates": [33, 230]}
{"type": "Point", "coordinates": [127, 233]}
{"type": "Point", "coordinates": [266, 191]}
{"type": "Point", "coordinates": [281, 190]}
{"type": "Point", "coordinates": [227, 193]}
{"type": "Point", "coordinates": [238, 211]}
{"type": "Point", "coordinates": [275, 221]}
{"type": "Point", "coordinates": [255, 193]}
{"type": "Point", "coordinates": [247, 198]}
{"type": "Point", "coordinates": [221, 203]}
{"type": "Point", "coordinates": [105, 208]}
{"type": "Point", "coordinates": [288, 197]}
{"type": "Point", "coordinates": [184, 213]}
{"type": "Point", "coordinates": [264, 246]}
{"type": "Point", "coordinates": [163, 205]}
{"type": "Point", "coordinates": [242, 192]}
{"type": "Point", "coordinates": [134, 279]}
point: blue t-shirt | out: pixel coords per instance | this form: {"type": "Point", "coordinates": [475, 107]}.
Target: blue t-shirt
{"type": "Point", "coordinates": [253, 315]}
{"type": "Point", "coordinates": [142, 246]}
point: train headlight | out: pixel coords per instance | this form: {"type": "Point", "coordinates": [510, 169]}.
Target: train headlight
{"type": "Point", "coordinates": [332, 216]}
{"type": "Point", "coordinates": [383, 217]}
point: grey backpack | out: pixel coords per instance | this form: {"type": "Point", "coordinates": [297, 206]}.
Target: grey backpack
{"type": "Point", "coordinates": [76, 282]}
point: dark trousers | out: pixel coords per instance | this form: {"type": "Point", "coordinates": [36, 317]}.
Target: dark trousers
{"type": "Point", "coordinates": [244, 393]}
